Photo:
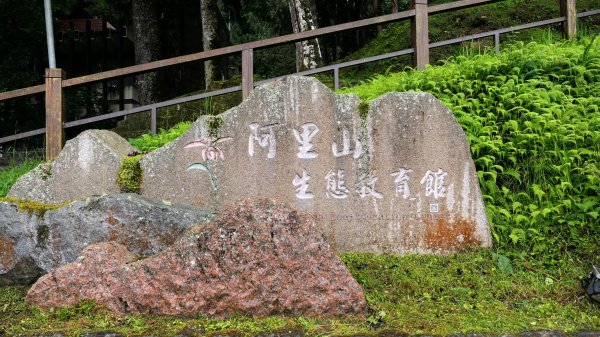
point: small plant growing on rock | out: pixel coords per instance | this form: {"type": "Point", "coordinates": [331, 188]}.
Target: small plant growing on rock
{"type": "Point", "coordinates": [129, 178]}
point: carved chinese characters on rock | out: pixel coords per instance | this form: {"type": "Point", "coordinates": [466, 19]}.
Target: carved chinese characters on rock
{"type": "Point", "coordinates": [432, 183]}
{"type": "Point", "coordinates": [305, 149]}
{"type": "Point", "coordinates": [263, 136]}
{"type": "Point", "coordinates": [336, 184]}
{"type": "Point", "coordinates": [399, 178]}
{"type": "Point", "coordinates": [356, 152]}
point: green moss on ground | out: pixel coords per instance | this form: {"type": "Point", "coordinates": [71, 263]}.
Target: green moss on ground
{"type": "Point", "coordinates": [470, 292]}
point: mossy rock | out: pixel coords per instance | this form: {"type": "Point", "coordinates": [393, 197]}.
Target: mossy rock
{"type": "Point", "coordinates": [33, 207]}
{"type": "Point", "coordinates": [363, 109]}
{"type": "Point", "coordinates": [130, 175]}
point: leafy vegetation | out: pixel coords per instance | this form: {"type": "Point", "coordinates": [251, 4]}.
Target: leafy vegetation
{"type": "Point", "coordinates": [149, 142]}
{"type": "Point", "coordinates": [532, 116]}
{"type": "Point", "coordinates": [453, 24]}
{"type": "Point", "coordinates": [10, 174]}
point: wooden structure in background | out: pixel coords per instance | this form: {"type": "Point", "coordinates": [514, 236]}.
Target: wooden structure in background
{"type": "Point", "coordinates": [569, 11]}
{"type": "Point", "coordinates": [55, 112]}
{"type": "Point", "coordinates": [55, 79]}
{"type": "Point", "coordinates": [420, 34]}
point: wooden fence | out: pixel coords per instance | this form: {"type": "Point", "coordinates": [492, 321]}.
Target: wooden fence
{"type": "Point", "coordinates": [419, 14]}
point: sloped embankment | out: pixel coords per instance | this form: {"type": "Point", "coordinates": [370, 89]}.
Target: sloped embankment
{"type": "Point", "coordinates": [532, 118]}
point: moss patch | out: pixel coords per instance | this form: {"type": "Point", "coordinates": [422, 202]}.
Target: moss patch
{"type": "Point", "coordinates": [214, 125]}
{"type": "Point", "coordinates": [130, 175]}
{"type": "Point", "coordinates": [363, 109]}
{"type": "Point", "coordinates": [33, 207]}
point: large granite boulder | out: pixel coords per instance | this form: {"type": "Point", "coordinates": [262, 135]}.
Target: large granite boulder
{"type": "Point", "coordinates": [88, 165]}
{"type": "Point", "coordinates": [258, 258]}
{"type": "Point", "coordinates": [393, 176]}
{"type": "Point", "coordinates": [34, 242]}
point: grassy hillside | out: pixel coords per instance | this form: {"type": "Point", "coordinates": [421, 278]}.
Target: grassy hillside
{"type": "Point", "coordinates": [453, 24]}
{"type": "Point", "coordinates": [532, 115]}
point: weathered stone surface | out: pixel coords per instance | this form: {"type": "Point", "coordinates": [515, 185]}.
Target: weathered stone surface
{"type": "Point", "coordinates": [103, 334]}
{"type": "Point", "coordinates": [400, 180]}
{"type": "Point", "coordinates": [88, 165]}
{"type": "Point", "coordinates": [32, 245]}
{"type": "Point", "coordinates": [587, 334]}
{"type": "Point", "coordinates": [543, 333]}
{"type": "Point", "coordinates": [33, 185]}
{"type": "Point", "coordinates": [259, 258]}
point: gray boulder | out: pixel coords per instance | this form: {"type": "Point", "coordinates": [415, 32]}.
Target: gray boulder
{"type": "Point", "coordinates": [393, 176]}
{"type": "Point", "coordinates": [33, 243]}
{"type": "Point", "coordinates": [88, 165]}
{"type": "Point", "coordinates": [258, 257]}
{"type": "Point", "coordinates": [33, 185]}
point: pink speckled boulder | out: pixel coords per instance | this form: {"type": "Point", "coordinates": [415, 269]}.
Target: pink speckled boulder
{"type": "Point", "coordinates": [259, 258]}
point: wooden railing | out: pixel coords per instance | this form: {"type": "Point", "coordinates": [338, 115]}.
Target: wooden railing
{"type": "Point", "coordinates": [56, 81]}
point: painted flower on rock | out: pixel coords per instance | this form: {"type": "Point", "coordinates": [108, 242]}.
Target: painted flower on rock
{"type": "Point", "coordinates": [210, 152]}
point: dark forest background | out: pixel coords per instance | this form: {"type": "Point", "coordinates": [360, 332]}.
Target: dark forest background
{"type": "Point", "coordinates": [98, 35]}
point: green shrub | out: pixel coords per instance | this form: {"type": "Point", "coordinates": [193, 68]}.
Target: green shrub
{"type": "Point", "coordinates": [532, 115]}
{"type": "Point", "coordinates": [150, 142]}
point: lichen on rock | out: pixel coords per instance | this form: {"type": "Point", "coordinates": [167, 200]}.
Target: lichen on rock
{"type": "Point", "coordinates": [32, 207]}
{"type": "Point", "coordinates": [363, 109]}
{"type": "Point", "coordinates": [37, 238]}
{"type": "Point", "coordinates": [87, 165]}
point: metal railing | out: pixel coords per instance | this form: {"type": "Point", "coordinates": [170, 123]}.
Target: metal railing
{"type": "Point", "coordinates": [55, 81]}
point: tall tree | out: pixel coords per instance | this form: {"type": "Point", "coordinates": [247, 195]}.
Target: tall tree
{"type": "Point", "coordinates": [215, 34]}
{"type": "Point", "coordinates": [144, 15]}
{"type": "Point", "coordinates": [303, 14]}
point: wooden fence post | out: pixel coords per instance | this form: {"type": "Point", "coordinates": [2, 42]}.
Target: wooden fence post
{"type": "Point", "coordinates": [55, 112]}
{"type": "Point", "coordinates": [568, 9]}
{"type": "Point", "coordinates": [420, 34]}
{"type": "Point", "coordinates": [247, 73]}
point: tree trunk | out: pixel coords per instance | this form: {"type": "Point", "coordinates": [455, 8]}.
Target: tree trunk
{"type": "Point", "coordinates": [215, 34]}
{"type": "Point", "coordinates": [378, 7]}
{"type": "Point", "coordinates": [146, 46]}
{"type": "Point", "coordinates": [394, 6]}
{"type": "Point", "coordinates": [304, 18]}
